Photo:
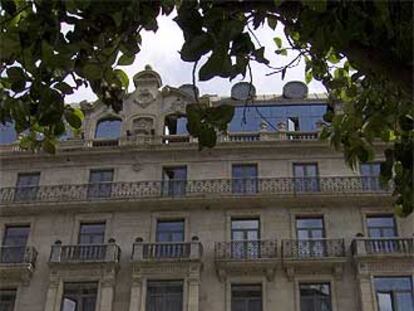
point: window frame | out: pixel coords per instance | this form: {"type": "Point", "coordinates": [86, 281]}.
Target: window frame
{"type": "Point", "coordinates": [10, 289]}
{"type": "Point", "coordinates": [253, 181]}
{"type": "Point", "coordinates": [183, 290]}
{"type": "Point", "coordinates": [301, 182]}
{"type": "Point", "coordinates": [102, 189]}
{"type": "Point", "coordinates": [316, 282]}
{"type": "Point", "coordinates": [79, 295]}
{"type": "Point", "coordinates": [108, 118]}
{"type": "Point", "coordinates": [27, 192]}
{"type": "Point", "coordinates": [86, 223]}
{"type": "Point", "coordinates": [381, 215]}
{"type": "Point", "coordinates": [393, 296]}
{"type": "Point", "coordinates": [232, 284]}
{"type": "Point", "coordinates": [173, 187]}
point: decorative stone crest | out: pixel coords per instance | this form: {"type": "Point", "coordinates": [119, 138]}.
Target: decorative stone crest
{"type": "Point", "coordinates": [144, 98]}
{"type": "Point", "coordinates": [142, 126]}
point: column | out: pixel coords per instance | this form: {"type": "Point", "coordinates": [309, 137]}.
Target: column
{"type": "Point", "coordinates": [54, 294]}
{"type": "Point", "coordinates": [365, 293]}
{"type": "Point", "coordinates": [193, 294]}
{"type": "Point", "coordinates": [136, 294]}
{"type": "Point", "coordinates": [107, 296]}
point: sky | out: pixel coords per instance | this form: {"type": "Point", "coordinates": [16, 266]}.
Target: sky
{"type": "Point", "coordinates": [160, 50]}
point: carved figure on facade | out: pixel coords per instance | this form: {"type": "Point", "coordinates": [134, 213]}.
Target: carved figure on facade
{"type": "Point", "coordinates": [142, 126]}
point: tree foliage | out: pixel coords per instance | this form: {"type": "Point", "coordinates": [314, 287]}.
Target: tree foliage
{"type": "Point", "coordinates": [360, 50]}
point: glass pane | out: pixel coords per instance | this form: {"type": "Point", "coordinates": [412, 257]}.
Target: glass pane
{"type": "Point", "coordinates": [393, 284]}
{"type": "Point", "coordinates": [380, 221]}
{"type": "Point", "coordinates": [8, 134]}
{"type": "Point", "coordinates": [16, 236]}
{"type": "Point", "coordinates": [309, 223]}
{"type": "Point", "coordinates": [170, 231]}
{"type": "Point", "coordinates": [405, 302]}
{"type": "Point", "coordinates": [69, 305]}
{"type": "Point", "coordinates": [245, 224]}
{"type": "Point", "coordinates": [108, 128]}
{"type": "Point", "coordinates": [92, 233]}
{"type": "Point", "coordinates": [384, 302]}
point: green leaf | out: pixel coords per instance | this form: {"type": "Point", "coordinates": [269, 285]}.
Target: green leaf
{"type": "Point", "coordinates": [73, 117]}
{"type": "Point", "coordinates": [126, 60]}
{"type": "Point", "coordinates": [281, 52]}
{"type": "Point", "coordinates": [272, 22]}
{"type": "Point", "coordinates": [93, 71]}
{"type": "Point", "coordinates": [219, 64]}
{"type": "Point", "coordinates": [49, 146]}
{"type": "Point", "coordinates": [278, 42]}
{"type": "Point", "coordinates": [308, 76]}
{"type": "Point", "coordinates": [64, 88]}
{"type": "Point", "coordinates": [195, 47]}
{"type": "Point", "coordinates": [122, 76]}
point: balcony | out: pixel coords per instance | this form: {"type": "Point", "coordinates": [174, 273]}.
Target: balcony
{"type": "Point", "coordinates": [161, 259]}
{"type": "Point", "coordinates": [85, 254]}
{"type": "Point", "coordinates": [249, 256]}
{"type": "Point", "coordinates": [383, 247]}
{"type": "Point", "coordinates": [17, 263]}
{"type": "Point", "coordinates": [215, 188]}
{"type": "Point", "coordinates": [313, 256]}
{"type": "Point", "coordinates": [167, 251]}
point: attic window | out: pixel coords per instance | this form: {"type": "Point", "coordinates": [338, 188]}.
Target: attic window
{"type": "Point", "coordinates": [108, 128]}
{"type": "Point", "coordinates": [175, 125]}
{"type": "Point", "coordinates": [293, 124]}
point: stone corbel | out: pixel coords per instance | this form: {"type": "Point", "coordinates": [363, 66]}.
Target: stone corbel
{"type": "Point", "coordinates": [290, 272]}
{"type": "Point", "coordinates": [338, 271]}
{"type": "Point", "coordinates": [270, 273]}
{"type": "Point", "coordinates": [221, 274]}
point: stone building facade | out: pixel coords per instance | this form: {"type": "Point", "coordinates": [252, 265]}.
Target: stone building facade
{"type": "Point", "coordinates": [130, 215]}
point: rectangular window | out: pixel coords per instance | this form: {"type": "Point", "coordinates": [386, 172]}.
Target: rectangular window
{"type": "Point", "coordinates": [315, 297]}
{"type": "Point", "coordinates": [394, 293]}
{"type": "Point", "coordinates": [293, 124]}
{"type": "Point", "coordinates": [100, 183]}
{"type": "Point", "coordinates": [7, 299]}
{"type": "Point", "coordinates": [79, 296]}
{"type": "Point", "coordinates": [370, 173]}
{"type": "Point", "coordinates": [381, 226]}
{"type": "Point", "coordinates": [245, 236]}
{"type": "Point", "coordinates": [170, 238]}
{"type": "Point", "coordinates": [164, 296]}
{"type": "Point", "coordinates": [310, 232]}
{"type": "Point", "coordinates": [174, 181]}
{"type": "Point", "coordinates": [27, 186]}
{"type": "Point", "coordinates": [91, 241]}
{"type": "Point", "coordinates": [92, 233]}
{"type": "Point", "coordinates": [306, 177]}
{"type": "Point", "coordinates": [244, 178]}
{"type": "Point", "coordinates": [14, 244]}
{"type": "Point", "coordinates": [246, 297]}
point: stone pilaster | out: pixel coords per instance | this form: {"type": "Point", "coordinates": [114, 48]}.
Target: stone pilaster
{"type": "Point", "coordinates": [136, 300]}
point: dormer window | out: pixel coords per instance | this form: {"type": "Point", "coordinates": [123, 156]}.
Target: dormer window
{"type": "Point", "coordinates": [109, 128]}
{"type": "Point", "coordinates": [8, 134]}
{"type": "Point", "coordinates": [175, 125]}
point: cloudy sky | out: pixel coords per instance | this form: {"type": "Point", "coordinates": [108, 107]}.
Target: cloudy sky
{"type": "Point", "coordinates": [160, 50]}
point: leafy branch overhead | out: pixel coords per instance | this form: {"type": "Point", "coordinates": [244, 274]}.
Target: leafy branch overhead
{"type": "Point", "coordinates": [360, 50]}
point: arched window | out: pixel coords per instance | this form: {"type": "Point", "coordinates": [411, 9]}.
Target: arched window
{"type": "Point", "coordinates": [108, 128]}
{"type": "Point", "coordinates": [175, 125]}
{"type": "Point", "coordinates": [8, 134]}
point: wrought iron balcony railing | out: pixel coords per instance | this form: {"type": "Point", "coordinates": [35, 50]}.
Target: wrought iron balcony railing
{"type": "Point", "coordinates": [313, 249]}
{"type": "Point", "coordinates": [245, 250]}
{"type": "Point", "coordinates": [85, 253]}
{"type": "Point", "coordinates": [166, 251]}
{"type": "Point", "coordinates": [382, 246]}
{"type": "Point", "coordinates": [18, 255]}
{"type": "Point", "coordinates": [338, 185]}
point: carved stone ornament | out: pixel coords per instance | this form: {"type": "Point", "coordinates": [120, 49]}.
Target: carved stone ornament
{"type": "Point", "coordinates": [142, 126]}
{"type": "Point", "coordinates": [144, 98]}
